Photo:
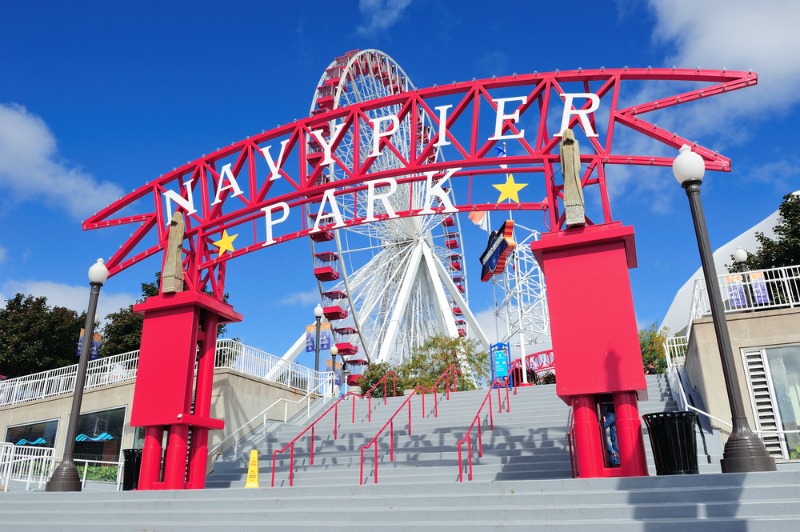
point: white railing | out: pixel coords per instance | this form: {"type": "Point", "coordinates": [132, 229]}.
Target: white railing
{"type": "Point", "coordinates": [122, 368]}
{"type": "Point", "coordinates": [751, 290]}
{"type": "Point", "coordinates": [100, 372]}
{"type": "Point", "coordinates": [88, 463]}
{"type": "Point", "coordinates": [675, 350]}
{"type": "Point", "coordinates": [250, 361]}
{"type": "Point", "coordinates": [28, 465]}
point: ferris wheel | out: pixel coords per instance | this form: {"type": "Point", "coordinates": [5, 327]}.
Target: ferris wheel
{"type": "Point", "coordinates": [388, 285]}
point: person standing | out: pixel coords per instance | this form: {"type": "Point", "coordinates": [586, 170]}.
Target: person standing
{"type": "Point", "coordinates": [610, 434]}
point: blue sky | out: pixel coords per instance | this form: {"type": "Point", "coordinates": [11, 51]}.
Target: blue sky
{"type": "Point", "coordinates": [96, 98]}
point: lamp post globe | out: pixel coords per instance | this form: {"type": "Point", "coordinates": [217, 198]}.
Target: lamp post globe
{"type": "Point", "coordinates": [65, 477]}
{"type": "Point", "coordinates": [98, 273]}
{"type": "Point", "coordinates": [740, 256]}
{"type": "Point", "coordinates": [333, 351]}
{"type": "Point", "coordinates": [688, 166]}
{"type": "Point", "coordinates": [744, 451]}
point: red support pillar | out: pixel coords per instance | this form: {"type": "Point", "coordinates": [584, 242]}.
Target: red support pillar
{"type": "Point", "coordinates": [629, 435]}
{"type": "Point", "coordinates": [175, 461]}
{"type": "Point", "coordinates": [198, 454]}
{"type": "Point", "coordinates": [595, 339]}
{"type": "Point", "coordinates": [165, 385]}
{"type": "Point", "coordinates": [587, 436]}
{"type": "Point", "coordinates": [150, 472]}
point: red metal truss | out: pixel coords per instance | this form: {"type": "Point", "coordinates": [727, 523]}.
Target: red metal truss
{"type": "Point", "coordinates": [296, 177]}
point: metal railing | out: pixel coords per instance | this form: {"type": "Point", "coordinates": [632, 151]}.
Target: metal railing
{"type": "Point", "coordinates": [450, 378]}
{"type": "Point", "coordinates": [122, 368]}
{"type": "Point", "coordinates": [476, 423]}
{"type": "Point", "coordinates": [750, 290]}
{"type": "Point", "coordinates": [61, 381]}
{"type": "Point", "coordinates": [540, 362]}
{"type": "Point", "coordinates": [335, 429]}
{"type": "Point", "coordinates": [84, 470]}
{"type": "Point", "coordinates": [675, 352]}
{"type": "Point", "coordinates": [232, 440]}
{"type": "Point", "coordinates": [25, 464]}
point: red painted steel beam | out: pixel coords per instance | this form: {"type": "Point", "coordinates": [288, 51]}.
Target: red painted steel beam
{"type": "Point", "coordinates": [472, 113]}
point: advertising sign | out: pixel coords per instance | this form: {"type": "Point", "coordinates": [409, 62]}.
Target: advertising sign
{"type": "Point", "coordinates": [94, 348]}
{"type": "Point", "coordinates": [500, 363]}
{"type": "Point", "coordinates": [324, 337]}
{"type": "Point", "coordinates": [501, 244]}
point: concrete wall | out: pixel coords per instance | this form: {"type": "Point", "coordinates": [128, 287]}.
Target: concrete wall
{"type": "Point", "coordinates": [768, 328]}
{"type": "Point", "coordinates": [236, 398]}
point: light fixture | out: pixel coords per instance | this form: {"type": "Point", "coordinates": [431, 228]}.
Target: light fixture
{"type": "Point", "coordinates": [744, 451]}
{"type": "Point", "coordinates": [65, 477]}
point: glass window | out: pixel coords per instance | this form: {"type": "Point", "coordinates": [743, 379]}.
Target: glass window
{"type": "Point", "coordinates": [99, 435]}
{"type": "Point", "coordinates": [39, 434]}
{"type": "Point", "coordinates": [784, 368]}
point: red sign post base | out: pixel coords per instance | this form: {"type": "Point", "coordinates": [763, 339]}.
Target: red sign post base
{"type": "Point", "coordinates": [179, 330]}
{"type": "Point", "coordinates": [594, 333]}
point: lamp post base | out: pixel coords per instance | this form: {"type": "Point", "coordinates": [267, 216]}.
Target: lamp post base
{"type": "Point", "coordinates": [745, 452]}
{"type": "Point", "coordinates": [64, 478]}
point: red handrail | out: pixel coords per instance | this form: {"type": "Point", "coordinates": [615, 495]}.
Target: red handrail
{"type": "Point", "coordinates": [390, 422]}
{"type": "Point", "coordinates": [335, 408]}
{"type": "Point", "coordinates": [497, 384]}
{"type": "Point", "coordinates": [570, 438]}
{"type": "Point", "coordinates": [548, 358]}
{"type": "Point", "coordinates": [434, 389]}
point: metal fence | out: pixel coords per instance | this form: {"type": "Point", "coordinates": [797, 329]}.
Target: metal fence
{"type": "Point", "coordinates": [61, 381]}
{"type": "Point", "coordinates": [750, 290]}
{"type": "Point", "coordinates": [122, 368]}
{"type": "Point", "coordinates": [27, 465]}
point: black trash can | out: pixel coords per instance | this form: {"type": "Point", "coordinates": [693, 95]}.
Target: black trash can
{"type": "Point", "coordinates": [674, 443]}
{"type": "Point", "coordinates": [132, 463]}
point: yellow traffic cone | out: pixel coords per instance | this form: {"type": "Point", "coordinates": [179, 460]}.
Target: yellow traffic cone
{"type": "Point", "coordinates": [252, 470]}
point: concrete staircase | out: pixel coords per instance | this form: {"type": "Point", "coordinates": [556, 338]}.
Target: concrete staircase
{"type": "Point", "coordinates": [522, 480]}
{"type": "Point", "coordinates": [528, 442]}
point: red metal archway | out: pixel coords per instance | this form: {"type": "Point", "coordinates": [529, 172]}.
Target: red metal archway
{"type": "Point", "coordinates": [276, 186]}
{"type": "Point", "coordinates": [264, 188]}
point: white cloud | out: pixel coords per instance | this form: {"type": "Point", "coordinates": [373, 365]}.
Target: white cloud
{"type": "Point", "coordinates": [380, 15]}
{"type": "Point", "coordinates": [310, 297]}
{"type": "Point", "coordinates": [71, 297]}
{"type": "Point", "coordinates": [737, 35]}
{"type": "Point", "coordinates": [3, 254]}
{"type": "Point", "coordinates": [32, 171]}
{"type": "Point", "coordinates": [714, 34]}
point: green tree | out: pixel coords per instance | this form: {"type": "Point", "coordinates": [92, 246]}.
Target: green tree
{"type": "Point", "coordinates": [651, 342]}
{"type": "Point", "coordinates": [428, 362]}
{"type": "Point", "coordinates": [375, 373]}
{"type": "Point", "coordinates": [784, 250]}
{"type": "Point", "coordinates": [123, 331]}
{"type": "Point", "coordinates": [35, 337]}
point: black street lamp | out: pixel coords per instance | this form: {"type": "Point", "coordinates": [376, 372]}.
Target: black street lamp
{"type": "Point", "coordinates": [744, 451]}
{"type": "Point", "coordinates": [65, 477]}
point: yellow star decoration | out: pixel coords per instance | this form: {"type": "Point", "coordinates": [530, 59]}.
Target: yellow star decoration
{"type": "Point", "coordinates": [225, 243]}
{"type": "Point", "coordinates": [510, 189]}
